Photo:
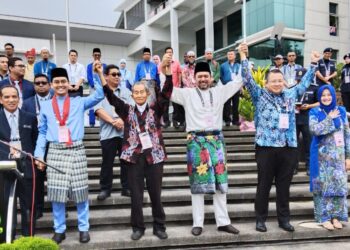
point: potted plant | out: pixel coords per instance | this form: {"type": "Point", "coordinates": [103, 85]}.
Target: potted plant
{"type": "Point", "coordinates": [246, 108]}
{"type": "Point", "coordinates": [337, 83]}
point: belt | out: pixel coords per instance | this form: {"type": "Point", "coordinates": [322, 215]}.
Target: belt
{"type": "Point", "coordinates": [205, 133]}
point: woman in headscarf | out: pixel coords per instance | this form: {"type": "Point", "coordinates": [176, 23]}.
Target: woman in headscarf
{"type": "Point", "coordinates": [330, 159]}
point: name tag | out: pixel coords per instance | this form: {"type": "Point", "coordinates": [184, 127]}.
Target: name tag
{"type": "Point", "coordinates": [291, 82]}
{"type": "Point", "coordinates": [347, 79]}
{"type": "Point", "coordinates": [145, 140]}
{"type": "Point", "coordinates": [63, 134]}
{"type": "Point", "coordinates": [328, 72]}
{"type": "Point", "coordinates": [284, 121]}
{"type": "Point", "coordinates": [339, 138]}
{"type": "Point", "coordinates": [233, 75]}
{"type": "Point", "coordinates": [148, 76]}
{"type": "Point", "coordinates": [15, 154]}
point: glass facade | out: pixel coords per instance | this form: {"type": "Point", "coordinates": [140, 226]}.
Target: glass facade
{"type": "Point", "coordinates": [262, 14]}
{"type": "Point", "coordinates": [263, 52]}
{"type": "Point", "coordinates": [234, 27]}
{"type": "Point", "coordinates": [218, 38]}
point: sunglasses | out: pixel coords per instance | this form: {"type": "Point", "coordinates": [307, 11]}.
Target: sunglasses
{"type": "Point", "coordinates": [38, 83]}
{"type": "Point", "coordinates": [115, 74]}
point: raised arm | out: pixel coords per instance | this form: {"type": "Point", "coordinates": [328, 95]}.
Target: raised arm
{"type": "Point", "coordinates": [99, 80]}
{"type": "Point", "coordinates": [248, 81]}
{"type": "Point", "coordinates": [309, 76]}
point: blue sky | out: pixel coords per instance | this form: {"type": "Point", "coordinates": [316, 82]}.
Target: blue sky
{"type": "Point", "coordinates": [93, 12]}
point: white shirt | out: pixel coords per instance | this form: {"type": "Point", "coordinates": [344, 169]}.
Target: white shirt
{"type": "Point", "coordinates": [75, 72]}
{"type": "Point", "coordinates": [8, 114]}
{"type": "Point", "coordinates": [141, 108]}
{"type": "Point", "coordinates": [209, 117]}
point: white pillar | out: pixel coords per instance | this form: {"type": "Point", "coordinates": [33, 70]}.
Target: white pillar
{"type": "Point", "coordinates": [67, 26]}
{"type": "Point", "coordinates": [174, 31]}
{"type": "Point", "coordinates": [209, 23]}
{"type": "Point", "coordinates": [244, 20]}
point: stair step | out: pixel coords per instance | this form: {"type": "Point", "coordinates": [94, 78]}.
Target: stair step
{"type": "Point", "coordinates": [180, 236]}
{"type": "Point", "coordinates": [177, 214]}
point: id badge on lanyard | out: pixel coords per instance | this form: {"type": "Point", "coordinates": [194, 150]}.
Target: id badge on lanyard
{"type": "Point", "coordinates": [284, 121]}
{"type": "Point", "coordinates": [347, 79]}
{"type": "Point", "coordinates": [15, 154]}
{"type": "Point", "coordinates": [145, 140]}
{"type": "Point", "coordinates": [63, 134]}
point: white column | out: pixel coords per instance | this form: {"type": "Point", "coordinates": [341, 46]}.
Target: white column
{"type": "Point", "coordinates": [67, 26]}
{"type": "Point", "coordinates": [174, 31]}
{"type": "Point", "coordinates": [209, 23]}
{"type": "Point", "coordinates": [146, 9]}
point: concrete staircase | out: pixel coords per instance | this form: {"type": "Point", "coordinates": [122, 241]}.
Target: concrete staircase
{"type": "Point", "coordinates": [110, 219]}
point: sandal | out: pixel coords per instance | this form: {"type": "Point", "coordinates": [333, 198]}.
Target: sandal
{"type": "Point", "coordinates": [328, 225]}
{"type": "Point", "coordinates": [337, 224]}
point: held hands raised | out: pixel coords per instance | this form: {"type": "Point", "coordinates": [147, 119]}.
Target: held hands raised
{"type": "Point", "coordinates": [315, 56]}
{"type": "Point", "coordinates": [166, 64]}
{"type": "Point", "coordinates": [243, 50]}
{"type": "Point", "coordinates": [97, 66]}
{"type": "Point", "coordinates": [347, 164]}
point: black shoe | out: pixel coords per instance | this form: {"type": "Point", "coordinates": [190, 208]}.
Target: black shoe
{"type": "Point", "coordinates": [160, 234]}
{"type": "Point", "coordinates": [125, 192]}
{"type": "Point", "coordinates": [227, 124]}
{"type": "Point", "coordinates": [166, 124]}
{"type": "Point", "coordinates": [176, 124]}
{"type": "Point", "coordinates": [286, 227]}
{"type": "Point", "coordinates": [136, 235]}
{"type": "Point", "coordinates": [196, 231]}
{"type": "Point", "coordinates": [59, 237]}
{"type": "Point", "coordinates": [84, 237]}
{"type": "Point", "coordinates": [103, 195]}
{"type": "Point", "coordinates": [295, 172]}
{"type": "Point", "coordinates": [229, 229]}
{"type": "Point", "coordinates": [260, 226]}
{"type": "Point", "coordinates": [38, 215]}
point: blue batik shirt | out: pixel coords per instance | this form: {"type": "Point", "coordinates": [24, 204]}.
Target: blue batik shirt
{"type": "Point", "coordinates": [269, 108]}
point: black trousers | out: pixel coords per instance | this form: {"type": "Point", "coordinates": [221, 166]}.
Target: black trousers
{"type": "Point", "coordinates": [166, 112]}
{"type": "Point", "coordinates": [303, 129]}
{"type": "Point", "coordinates": [39, 190]}
{"type": "Point", "coordinates": [24, 191]}
{"type": "Point", "coordinates": [228, 109]}
{"type": "Point", "coordinates": [345, 96]}
{"type": "Point", "coordinates": [274, 164]}
{"type": "Point", "coordinates": [110, 149]}
{"type": "Point", "coordinates": [137, 173]}
{"type": "Point", "coordinates": [179, 113]}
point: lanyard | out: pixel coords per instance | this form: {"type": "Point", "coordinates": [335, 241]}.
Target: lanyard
{"type": "Point", "coordinates": [233, 69]}
{"type": "Point", "coordinates": [328, 69]}
{"type": "Point", "coordinates": [145, 69]}
{"type": "Point", "coordinates": [136, 121]}
{"type": "Point", "coordinates": [202, 100]}
{"type": "Point", "coordinates": [47, 68]}
{"type": "Point", "coordinates": [290, 71]}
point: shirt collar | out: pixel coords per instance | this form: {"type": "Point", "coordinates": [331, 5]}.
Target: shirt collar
{"type": "Point", "coordinates": [45, 98]}
{"type": "Point", "coordinates": [141, 108]}
{"type": "Point", "coordinates": [8, 114]}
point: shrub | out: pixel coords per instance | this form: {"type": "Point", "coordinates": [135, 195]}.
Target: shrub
{"type": "Point", "coordinates": [30, 243]}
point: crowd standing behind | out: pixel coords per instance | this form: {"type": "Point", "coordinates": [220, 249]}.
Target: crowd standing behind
{"type": "Point", "coordinates": [43, 109]}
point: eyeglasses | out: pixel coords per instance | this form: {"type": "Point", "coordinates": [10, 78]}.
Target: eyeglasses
{"type": "Point", "coordinates": [20, 66]}
{"type": "Point", "coordinates": [38, 83]}
{"type": "Point", "coordinates": [58, 81]}
{"type": "Point", "coordinates": [291, 55]}
{"type": "Point", "coordinates": [115, 74]}
{"type": "Point", "coordinates": [97, 55]}
{"type": "Point", "coordinates": [190, 56]}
